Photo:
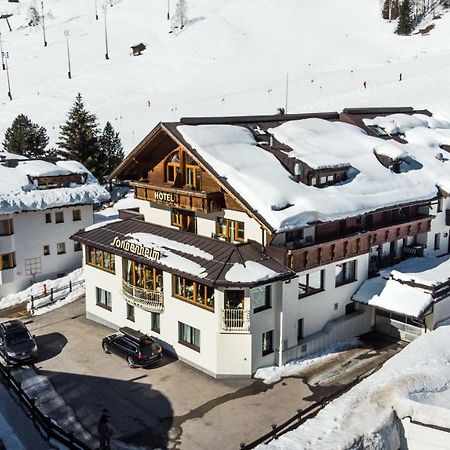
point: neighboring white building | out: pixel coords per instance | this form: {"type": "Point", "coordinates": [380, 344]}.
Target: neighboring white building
{"type": "Point", "coordinates": [254, 233]}
{"type": "Point", "coordinates": [41, 205]}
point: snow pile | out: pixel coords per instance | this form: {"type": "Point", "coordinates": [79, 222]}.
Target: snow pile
{"type": "Point", "coordinates": [389, 292]}
{"type": "Point", "coordinates": [171, 259]}
{"type": "Point", "coordinates": [249, 272]}
{"type": "Point", "coordinates": [367, 415]}
{"type": "Point", "coordinates": [18, 193]}
{"type": "Point", "coordinates": [38, 289]}
{"type": "Point", "coordinates": [234, 154]}
{"type": "Point", "coordinates": [273, 374]}
{"type": "Point", "coordinates": [391, 151]}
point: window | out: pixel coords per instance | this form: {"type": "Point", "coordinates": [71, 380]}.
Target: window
{"type": "Point", "coordinates": [48, 218]}
{"type": "Point", "coordinates": [230, 230]}
{"type": "Point", "coordinates": [103, 298]}
{"type": "Point", "coordinates": [345, 273]}
{"type": "Point", "coordinates": [46, 250]}
{"type": "Point", "coordinates": [33, 266]}
{"type": "Point", "coordinates": [184, 220]}
{"type": "Point", "coordinates": [173, 167]}
{"type": "Point", "coordinates": [193, 174]}
{"type": "Point", "coordinates": [6, 227]}
{"type": "Point", "coordinates": [189, 336]}
{"type": "Point", "coordinates": [130, 312]}
{"type": "Point", "coordinates": [100, 259]}
{"type": "Point", "coordinates": [142, 276]}
{"type": "Point", "coordinates": [295, 236]}
{"type": "Point", "coordinates": [267, 343]}
{"type": "Point", "coordinates": [437, 241]}
{"type": "Point", "coordinates": [76, 215]}
{"type": "Point", "coordinates": [193, 292]}
{"type": "Point", "coordinates": [313, 181]}
{"type": "Point", "coordinates": [59, 217]}
{"type": "Point", "coordinates": [77, 246]}
{"type": "Point", "coordinates": [299, 330]}
{"type": "Point", "coordinates": [311, 283]}
{"type": "Point", "coordinates": [330, 178]}
{"type": "Point", "coordinates": [262, 298]}
{"type": "Point", "coordinates": [7, 261]}
{"type": "Point", "coordinates": [336, 306]}
{"type": "Point", "coordinates": [439, 205]}
{"type": "Point", "coordinates": [60, 248]}
{"type": "Point", "coordinates": [155, 322]}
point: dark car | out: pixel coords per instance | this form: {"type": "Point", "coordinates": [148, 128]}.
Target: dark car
{"type": "Point", "coordinates": [17, 346]}
{"type": "Point", "coordinates": [137, 348]}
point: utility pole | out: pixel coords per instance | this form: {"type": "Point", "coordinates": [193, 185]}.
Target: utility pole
{"type": "Point", "coordinates": [43, 24]}
{"type": "Point", "coordinates": [168, 9]}
{"type": "Point", "coordinates": [287, 93]}
{"type": "Point", "coordinates": [6, 57]}
{"type": "Point", "coordinates": [96, 10]}
{"type": "Point", "coordinates": [1, 51]}
{"type": "Point", "coordinates": [66, 34]}
{"type": "Point", "coordinates": [105, 7]}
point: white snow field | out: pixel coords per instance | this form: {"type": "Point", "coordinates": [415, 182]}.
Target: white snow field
{"type": "Point", "coordinates": [231, 58]}
{"type": "Point", "coordinates": [412, 383]}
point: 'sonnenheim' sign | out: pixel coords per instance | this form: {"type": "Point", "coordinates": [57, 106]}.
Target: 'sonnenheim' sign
{"type": "Point", "coordinates": [137, 249]}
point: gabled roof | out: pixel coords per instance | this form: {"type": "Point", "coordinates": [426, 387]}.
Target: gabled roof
{"type": "Point", "coordinates": [208, 261]}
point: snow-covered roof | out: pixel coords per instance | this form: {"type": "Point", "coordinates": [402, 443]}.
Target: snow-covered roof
{"type": "Point", "coordinates": [18, 193]}
{"type": "Point", "coordinates": [413, 383]}
{"type": "Point", "coordinates": [233, 154]}
{"type": "Point", "coordinates": [389, 291]}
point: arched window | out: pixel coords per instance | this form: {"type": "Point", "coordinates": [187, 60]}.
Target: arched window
{"type": "Point", "coordinates": [193, 173]}
{"type": "Point", "coordinates": [173, 167]}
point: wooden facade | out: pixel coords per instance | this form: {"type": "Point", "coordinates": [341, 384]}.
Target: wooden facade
{"type": "Point", "coordinates": [320, 254]}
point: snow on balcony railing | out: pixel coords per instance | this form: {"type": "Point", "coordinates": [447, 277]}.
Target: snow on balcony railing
{"type": "Point", "coordinates": [143, 298]}
{"type": "Point", "coordinates": [235, 320]}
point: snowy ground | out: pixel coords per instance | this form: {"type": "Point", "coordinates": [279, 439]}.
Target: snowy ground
{"type": "Point", "coordinates": [367, 416]}
{"type": "Point", "coordinates": [44, 304]}
{"type": "Point", "coordinates": [231, 58]}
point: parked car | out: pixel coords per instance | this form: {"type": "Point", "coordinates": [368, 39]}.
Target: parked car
{"type": "Point", "coordinates": [17, 346]}
{"type": "Point", "coordinates": [138, 349]}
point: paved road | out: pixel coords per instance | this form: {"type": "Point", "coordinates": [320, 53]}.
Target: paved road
{"type": "Point", "coordinates": [173, 405]}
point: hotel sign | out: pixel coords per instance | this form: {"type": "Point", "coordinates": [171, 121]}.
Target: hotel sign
{"type": "Point", "coordinates": [165, 197]}
{"type": "Point", "coordinates": [136, 249]}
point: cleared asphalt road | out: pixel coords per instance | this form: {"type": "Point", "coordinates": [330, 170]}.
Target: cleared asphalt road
{"type": "Point", "coordinates": [172, 405]}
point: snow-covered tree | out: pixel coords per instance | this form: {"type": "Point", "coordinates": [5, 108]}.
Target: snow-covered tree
{"type": "Point", "coordinates": [111, 148]}
{"type": "Point", "coordinates": [25, 138]}
{"type": "Point", "coordinates": [405, 22]}
{"type": "Point", "coordinates": [179, 19]}
{"type": "Point", "coordinates": [79, 138]}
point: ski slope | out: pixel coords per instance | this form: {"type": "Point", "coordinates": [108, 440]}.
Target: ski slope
{"type": "Point", "coordinates": [231, 58]}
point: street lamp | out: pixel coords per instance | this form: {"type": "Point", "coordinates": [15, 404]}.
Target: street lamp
{"type": "Point", "coordinates": [66, 34]}
{"type": "Point", "coordinates": [105, 7]}
{"type": "Point", "coordinates": [5, 57]}
{"type": "Point", "coordinates": [96, 11]}
{"type": "Point", "coordinates": [168, 9]}
{"type": "Point", "coordinates": [43, 24]}
{"type": "Point", "coordinates": [1, 51]}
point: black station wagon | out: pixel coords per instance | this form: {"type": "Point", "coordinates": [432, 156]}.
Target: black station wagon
{"type": "Point", "coordinates": [138, 349]}
{"type": "Point", "coordinates": [17, 346]}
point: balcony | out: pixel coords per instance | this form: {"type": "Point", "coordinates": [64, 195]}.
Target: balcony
{"type": "Point", "coordinates": [146, 299]}
{"type": "Point", "coordinates": [235, 320]}
{"type": "Point", "coordinates": [305, 258]}
{"type": "Point", "coordinates": [202, 201]}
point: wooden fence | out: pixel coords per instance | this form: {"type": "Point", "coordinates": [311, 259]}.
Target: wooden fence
{"type": "Point", "coordinates": [46, 425]}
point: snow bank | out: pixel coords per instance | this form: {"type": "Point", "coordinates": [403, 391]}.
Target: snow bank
{"type": "Point", "coordinates": [235, 155]}
{"type": "Point", "coordinates": [366, 416]}
{"type": "Point", "coordinates": [273, 374]}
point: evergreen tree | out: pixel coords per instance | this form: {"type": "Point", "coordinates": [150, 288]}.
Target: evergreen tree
{"type": "Point", "coordinates": [79, 138]}
{"type": "Point", "coordinates": [25, 138]}
{"type": "Point", "coordinates": [111, 149]}
{"type": "Point", "coordinates": [405, 22]}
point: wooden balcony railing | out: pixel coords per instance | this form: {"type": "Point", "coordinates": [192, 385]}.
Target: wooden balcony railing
{"type": "Point", "coordinates": [305, 258]}
{"type": "Point", "coordinates": [143, 298]}
{"type": "Point", "coordinates": [235, 320]}
{"type": "Point", "coordinates": [180, 198]}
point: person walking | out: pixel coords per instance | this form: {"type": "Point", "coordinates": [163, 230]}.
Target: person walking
{"type": "Point", "coordinates": [365, 84]}
{"type": "Point", "coordinates": [400, 77]}
{"type": "Point", "coordinates": [104, 432]}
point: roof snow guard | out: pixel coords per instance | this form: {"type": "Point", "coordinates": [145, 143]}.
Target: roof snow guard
{"type": "Point", "coordinates": [205, 260]}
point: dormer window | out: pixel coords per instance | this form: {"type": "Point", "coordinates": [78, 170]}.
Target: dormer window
{"type": "Point", "coordinates": [321, 179]}
{"type": "Point", "coordinates": [173, 167]}
{"type": "Point", "coordinates": [378, 131]}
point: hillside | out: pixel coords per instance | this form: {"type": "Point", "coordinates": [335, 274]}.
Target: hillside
{"type": "Point", "coordinates": [231, 58]}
